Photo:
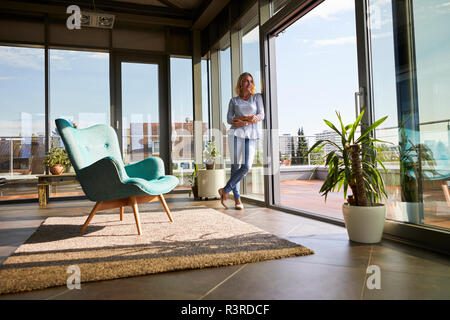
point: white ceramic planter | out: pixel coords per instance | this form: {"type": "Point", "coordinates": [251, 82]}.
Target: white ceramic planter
{"type": "Point", "coordinates": [209, 181]}
{"type": "Point", "coordinates": [364, 224]}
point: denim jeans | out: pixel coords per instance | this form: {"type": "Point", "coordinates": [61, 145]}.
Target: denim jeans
{"type": "Point", "coordinates": [242, 154]}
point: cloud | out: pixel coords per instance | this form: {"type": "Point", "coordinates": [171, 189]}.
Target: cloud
{"type": "Point", "coordinates": [328, 9]}
{"type": "Point", "coordinates": [9, 78]}
{"type": "Point", "coordinates": [302, 41]}
{"type": "Point", "coordinates": [59, 62]}
{"type": "Point", "coordinates": [98, 55]}
{"type": "Point", "coordinates": [64, 60]}
{"type": "Point", "coordinates": [335, 41]}
{"type": "Point", "coordinates": [251, 37]}
{"type": "Point", "coordinates": [381, 35]}
{"type": "Point", "coordinates": [22, 58]}
{"type": "Point", "coordinates": [375, 3]}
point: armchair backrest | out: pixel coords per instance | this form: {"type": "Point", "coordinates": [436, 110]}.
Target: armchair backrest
{"type": "Point", "coordinates": [88, 145]}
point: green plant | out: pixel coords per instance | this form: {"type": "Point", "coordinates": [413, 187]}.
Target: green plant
{"type": "Point", "coordinates": [354, 164]}
{"type": "Point", "coordinates": [211, 152]}
{"type": "Point", "coordinates": [412, 157]}
{"type": "Point", "coordinates": [56, 155]}
{"type": "Point", "coordinates": [193, 178]}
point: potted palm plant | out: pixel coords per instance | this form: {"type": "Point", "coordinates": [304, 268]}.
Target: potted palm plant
{"type": "Point", "coordinates": [57, 160]}
{"type": "Point", "coordinates": [211, 154]}
{"type": "Point", "coordinates": [354, 165]}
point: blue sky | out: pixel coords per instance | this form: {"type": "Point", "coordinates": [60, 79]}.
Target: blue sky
{"type": "Point", "coordinates": [317, 68]}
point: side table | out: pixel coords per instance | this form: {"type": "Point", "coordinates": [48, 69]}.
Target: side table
{"type": "Point", "coordinates": [45, 181]}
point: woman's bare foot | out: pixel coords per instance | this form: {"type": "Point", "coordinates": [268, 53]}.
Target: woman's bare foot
{"type": "Point", "coordinates": [238, 204]}
{"type": "Point", "coordinates": [223, 197]}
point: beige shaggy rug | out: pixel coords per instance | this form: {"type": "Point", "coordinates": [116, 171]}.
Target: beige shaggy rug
{"type": "Point", "coordinates": [111, 249]}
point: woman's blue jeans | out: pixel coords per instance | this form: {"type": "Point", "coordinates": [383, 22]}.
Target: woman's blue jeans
{"type": "Point", "coordinates": [240, 148]}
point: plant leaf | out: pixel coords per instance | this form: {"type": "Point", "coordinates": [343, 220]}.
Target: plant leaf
{"type": "Point", "coordinates": [370, 128]}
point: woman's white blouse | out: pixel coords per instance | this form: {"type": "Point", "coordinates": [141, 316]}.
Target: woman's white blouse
{"type": "Point", "coordinates": [238, 107]}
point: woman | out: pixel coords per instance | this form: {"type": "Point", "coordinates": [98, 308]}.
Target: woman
{"type": "Point", "coordinates": [244, 111]}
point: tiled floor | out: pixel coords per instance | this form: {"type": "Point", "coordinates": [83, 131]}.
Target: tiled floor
{"type": "Point", "coordinates": [337, 270]}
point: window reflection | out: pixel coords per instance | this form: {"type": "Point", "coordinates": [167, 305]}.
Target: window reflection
{"type": "Point", "coordinates": [418, 157]}
{"type": "Point", "coordinates": [22, 122]}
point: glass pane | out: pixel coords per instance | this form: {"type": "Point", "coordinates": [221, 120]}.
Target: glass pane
{"type": "Point", "coordinates": [79, 93]}
{"type": "Point", "coordinates": [22, 123]}
{"type": "Point", "coordinates": [226, 93]}
{"type": "Point", "coordinates": [140, 111]}
{"type": "Point", "coordinates": [206, 111]}
{"type": "Point", "coordinates": [316, 68]}
{"type": "Point", "coordinates": [385, 99]}
{"type": "Point", "coordinates": [432, 17]}
{"type": "Point", "coordinates": [425, 161]}
{"type": "Point", "coordinates": [251, 63]}
{"type": "Point", "coordinates": [182, 119]}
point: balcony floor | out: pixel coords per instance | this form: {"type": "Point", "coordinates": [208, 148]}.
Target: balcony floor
{"type": "Point", "coordinates": [337, 270]}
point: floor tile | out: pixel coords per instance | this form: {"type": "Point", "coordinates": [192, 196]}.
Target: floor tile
{"type": "Point", "coordinates": [395, 285]}
{"type": "Point", "coordinates": [186, 285]}
{"type": "Point", "coordinates": [287, 280]}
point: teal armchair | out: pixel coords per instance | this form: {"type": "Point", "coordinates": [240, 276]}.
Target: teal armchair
{"type": "Point", "coordinates": [95, 155]}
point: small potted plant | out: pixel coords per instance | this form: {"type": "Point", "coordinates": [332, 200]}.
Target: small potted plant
{"type": "Point", "coordinates": [193, 180]}
{"type": "Point", "coordinates": [211, 154]}
{"type": "Point", "coordinates": [57, 160]}
{"type": "Point", "coordinates": [354, 165]}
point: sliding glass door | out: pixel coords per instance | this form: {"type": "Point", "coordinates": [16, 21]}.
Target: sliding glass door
{"type": "Point", "coordinates": [316, 77]}
{"type": "Point", "coordinates": [410, 71]}
{"type": "Point", "coordinates": [140, 111]}
{"type": "Point", "coordinates": [141, 114]}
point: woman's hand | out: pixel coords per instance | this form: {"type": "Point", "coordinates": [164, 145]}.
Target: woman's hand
{"type": "Point", "coordinates": [250, 119]}
{"type": "Point", "coordinates": [253, 119]}
{"type": "Point", "coordinates": [239, 123]}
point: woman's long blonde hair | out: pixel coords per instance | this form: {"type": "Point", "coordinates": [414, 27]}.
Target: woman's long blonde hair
{"type": "Point", "coordinates": [239, 84]}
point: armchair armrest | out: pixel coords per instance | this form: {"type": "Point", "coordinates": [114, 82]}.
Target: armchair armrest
{"type": "Point", "coordinates": [102, 178]}
{"type": "Point", "coordinates": [148, 169]}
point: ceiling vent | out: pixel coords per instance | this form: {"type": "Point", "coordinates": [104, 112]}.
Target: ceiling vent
{"type": "Point", "coordinates": [97, 20]}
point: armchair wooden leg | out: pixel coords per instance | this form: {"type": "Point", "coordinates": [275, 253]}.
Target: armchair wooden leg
{"type": "Point", "coordinates": [91, 215]}
{"type": "Point", "coordinates": [121, 213]}
{"type": "Point", "coordinates": [136, 214]}
{"type": "Point", "coordinates": [166, 208]}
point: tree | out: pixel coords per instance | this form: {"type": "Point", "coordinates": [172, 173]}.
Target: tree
{"type": "Point", "coordinates": [293, 158]}
{"type": "Point", "coordinates": [302, 148]}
